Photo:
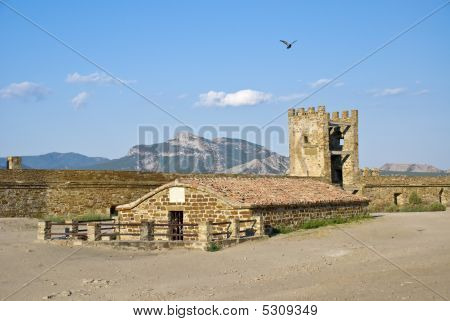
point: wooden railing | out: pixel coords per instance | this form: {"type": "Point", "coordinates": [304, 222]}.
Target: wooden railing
{"type": "Point", "coordinates": [221, 226]}
{"type": "Point", "coordinates": [149, 230]}
{"type": "Point", "coordinates": [145, 230]}
{"type": "Point", "coordinates": [249, 231]}
{"type": "Point", "coordinates": [234, 229]}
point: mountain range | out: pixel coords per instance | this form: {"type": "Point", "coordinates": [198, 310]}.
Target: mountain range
{"type": "Point", "coordinates": [412, 169]}
{"type": "Point", "coordinates": [186, 153]}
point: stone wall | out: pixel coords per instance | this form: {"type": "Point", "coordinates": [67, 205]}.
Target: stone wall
{"type": "Point", "coordinates": [384, 189]}
{"type": "Point", "coordinates": [291, 216]}
{"type": "Point", "coordinates": [324, 146]}
{"type": "Point", "coordinates": [198, 207]}
{"type": "Point", "coordinates": [37, 193]}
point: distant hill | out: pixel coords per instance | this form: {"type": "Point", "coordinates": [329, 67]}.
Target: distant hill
{"type": "Point", "coordinates": [412, 170]}
{"type": "Point", "coordinates": [272, 165]}
{"type": "Point", "coordinates": [58, 161]}
{"type": "Point", "coordinates": [186, 153]}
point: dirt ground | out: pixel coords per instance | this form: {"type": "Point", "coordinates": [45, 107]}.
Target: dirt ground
{"type": "Point", "coordinates": [330, 263]}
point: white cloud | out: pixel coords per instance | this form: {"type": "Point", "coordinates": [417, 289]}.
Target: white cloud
{"type": "Point", "coordinates": [295, 96]}
{"type": "Point", "coordinates": [421, 92]}
{"type": "Point", "coordinates": [338, 84]}
{"type": "Point", "coordinates": [95, 78]}
{"type": "Point", "coordinates": [387, 91]}
{"type": "Point", "coordinates": [246, 97]}
{"type": "Point", "coordinates": [320, 82]}
{"type": "Point", "coordinates": [25, 90]}
{"type": "Point", "coordinates": [80, 100]}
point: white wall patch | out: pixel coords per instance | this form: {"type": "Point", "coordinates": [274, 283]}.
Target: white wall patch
{"type": "Point", "coordinates": [176, 195]}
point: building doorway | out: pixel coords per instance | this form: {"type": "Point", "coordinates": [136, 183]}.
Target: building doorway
{"type": "Point", "coordinates": [397, 200]}
{"type": "Point", "coordinates": [336, 170]}
{"type": "Point", "coordinates": [176, 225]}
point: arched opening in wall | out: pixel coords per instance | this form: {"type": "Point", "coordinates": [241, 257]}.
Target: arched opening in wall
{"type": "Point", "coordinates": [397, 198]}
{"type": "Point", "coordinates": [440, 195]}
{"type": "Point", "coordinates": [113, 211]}
{"type": "Point", "coordinates": [355, 192]}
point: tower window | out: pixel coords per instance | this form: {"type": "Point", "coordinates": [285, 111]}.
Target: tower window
{"type": "Point", "coordinates": [305, 139]}
{"type": "Point", "coordinates": [341, 141]}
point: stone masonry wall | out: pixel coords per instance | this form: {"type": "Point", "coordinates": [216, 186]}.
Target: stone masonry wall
{"type": "Point", "coordinates": [36, 193]}
{"type": "Point", "coordinates": [291, 216]}
{"type": "Point", "coordinates": [381, 189]}
{"type": "Point", "coordinates": [199, 207]}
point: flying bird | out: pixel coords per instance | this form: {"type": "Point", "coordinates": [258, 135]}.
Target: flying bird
{"type": "Point", "coordinates": [288, 45]}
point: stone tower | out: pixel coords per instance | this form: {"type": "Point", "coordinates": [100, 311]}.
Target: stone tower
{"type": "Point", "coordinates": [14, 162]}
{"type": "Point", "coordinates": [324, 146]}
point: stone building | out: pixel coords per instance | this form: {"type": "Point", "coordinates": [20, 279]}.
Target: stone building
{"type": "Point", "coordinates": [269, 201]}
{"type": "Point", "coordinates": [14, 162]}
{"type": "Point", "coordinates": [324, 146]}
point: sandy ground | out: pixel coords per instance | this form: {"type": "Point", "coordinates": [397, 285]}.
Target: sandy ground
{"type": "Point", "coordinates": [322, 264]}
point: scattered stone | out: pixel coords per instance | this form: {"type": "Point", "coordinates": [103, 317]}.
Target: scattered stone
{"type": "Point", "coordinates": [48, 297]}
{"type": "Point", "coordinates": [53, 283]}
{"type": "Point", "coordinates": [65, 293]}
{"type": "Point", "coordinates": [87, 281]}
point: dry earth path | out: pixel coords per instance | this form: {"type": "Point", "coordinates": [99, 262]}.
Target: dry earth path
{"type": "Point", "coordinates": [322, 264]}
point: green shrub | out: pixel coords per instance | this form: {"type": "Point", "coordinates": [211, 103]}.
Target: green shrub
{"type": "Point", "coordinates": [391, 208]}
{"type": "Point", "coordinates": [414, 199]}
{"type": "Point", "coordinates": [54, 218]}
{"type": "Point", "coordinates": [91, 217]}
{"type": "Point", "coordinates": [422, 207]}
{"type": "Point", "coordinates": [283, 229]}
{"type": "Point", "coordinates": [316, 223]}
{"type": "Point", "coordinates": [436, 207]}
{"type": "Point", "coordinates": [214, 247]}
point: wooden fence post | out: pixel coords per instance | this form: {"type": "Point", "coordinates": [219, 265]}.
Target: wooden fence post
{"type": "Point", "coordinates": [93, 231]}
{"type": "Point", "coordinates": [259, 226]}
{"type": "Point", "coordinates": [72, 229]}
{"type": "Point", "coordinates": [235, 228]}
{"type": "Point", "coordinates": [147, 230]}
{"type": "Point", "coordinates": [151, 230]}
{"type": "Point", "coordinates": [44, 230]}
{"type": "Point", "coordinates": [204, 231]}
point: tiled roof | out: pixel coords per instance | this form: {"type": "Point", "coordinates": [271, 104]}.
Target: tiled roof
{"type": "Point", "coordinates": [267, 191]}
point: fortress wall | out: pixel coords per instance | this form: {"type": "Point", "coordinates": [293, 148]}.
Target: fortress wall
{"type": "Point", "coordinates": [34, 193]}
{"type": "Point", "coordinates": [381, 189]}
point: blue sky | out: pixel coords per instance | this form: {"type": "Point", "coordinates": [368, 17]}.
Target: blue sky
{"type": "Point", "coordinates": [195, 58]}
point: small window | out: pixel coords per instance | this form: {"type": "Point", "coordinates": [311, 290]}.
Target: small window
{"type": "Point", "coordinates": [305, 139]}
{"type": "Point", "coordinates": [341, 142]}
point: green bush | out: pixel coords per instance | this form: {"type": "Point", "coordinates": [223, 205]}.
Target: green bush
{"type": "Point", "coordinates": [214, 247]}
{"type": "Point", "coordinates": [283, 229]}
{"type": "Point", "coordinates": [91, 217]}
{"type": "Point", "coordinates": [414, 199]}
{"type": "Point", "coordinates": [54, 218]}
{"type": "Point", "coordinates": [436, 207]}
{"type": "Point", "coordinates": [316, 223]}
{"type": "Point", "coordinates": [392, 208]}
{"type": "Point", "coordinates": [83, 217]}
